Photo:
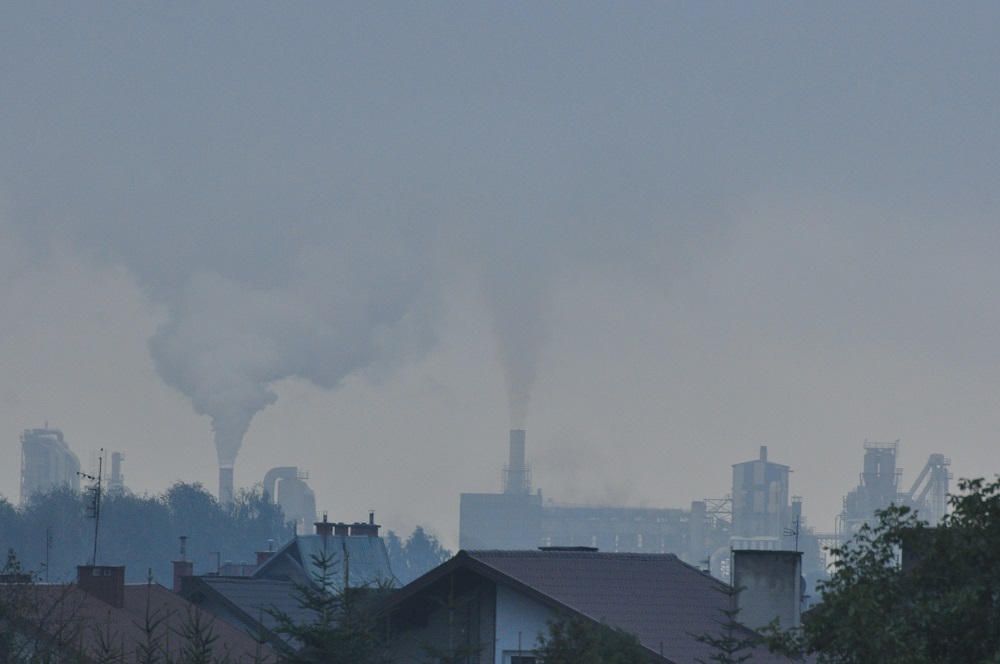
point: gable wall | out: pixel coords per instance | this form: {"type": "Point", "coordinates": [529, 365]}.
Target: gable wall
{"type": "Point", "coordinates": [519, 622]}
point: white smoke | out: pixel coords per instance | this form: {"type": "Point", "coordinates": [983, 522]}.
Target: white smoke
{"type": "Point", "coordinates": [226, 342]}
{"type": "Point", "coordinates": [521, 327]}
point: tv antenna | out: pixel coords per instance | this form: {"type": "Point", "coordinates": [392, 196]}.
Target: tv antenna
{"type": "Point", "coordinates": [789, 532]}
{"type": "Point", "coordinates": [95, 504]}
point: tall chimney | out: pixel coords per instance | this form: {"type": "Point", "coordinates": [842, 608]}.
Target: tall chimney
{"type": "Point", "coordinates": [225, 484]}
{"type": "Point", "coordinates": [516, 471]}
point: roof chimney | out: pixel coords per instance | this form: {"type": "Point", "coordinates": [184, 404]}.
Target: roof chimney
{"type": "Point", "coordinates": [182, 567]}
{"type": "Point", "coordinates": [264, 556]}
{"type": "Point", "coordinates": [770, 586]}
{"type": "Point", "coordinates": [324, 527]}
{"type": "Point", "coordinates": [763, 452]}
{"type": "Point", "coordinates": [103, 582]}
{"type": "Point", "coordinates": [369, 529]}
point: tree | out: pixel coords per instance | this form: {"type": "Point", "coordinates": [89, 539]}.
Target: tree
{"type": "Point", "coordinates": [342, 629]}
{"type": "Point", "coordinates": [732, 644]}
{"type": "Point", "coordinates": [36, 627]}
{"type": "Point", "coordinates": [419, 554]}
{"type": "Point", "coordinates": [458, 644]}
{"type": "Point", "coordinates": [581, 641]}
{"type": "Point", "coordinates": [138, 531]}
{"type": "Point", "coordinates": [903, 592]}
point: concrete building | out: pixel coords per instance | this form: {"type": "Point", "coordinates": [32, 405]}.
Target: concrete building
{"type": "Point", "coordinates": [760, 503]}
{"type": "Point", "coordinates": [47, 462]}
{"type": "Point", "coordinates": [516, 518]}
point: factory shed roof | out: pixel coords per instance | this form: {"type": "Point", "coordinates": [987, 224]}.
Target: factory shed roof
{"type": "Point", "coordinates": [665, 602]}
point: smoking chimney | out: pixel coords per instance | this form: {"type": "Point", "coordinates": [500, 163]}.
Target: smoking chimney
{"type": "Point", "coordinates": [516, 472]}
{"type": "Point", "coordinates": [225, 484]}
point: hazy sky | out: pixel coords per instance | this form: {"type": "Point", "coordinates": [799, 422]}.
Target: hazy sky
{"type": "Point", "coordinates": [658, 235]}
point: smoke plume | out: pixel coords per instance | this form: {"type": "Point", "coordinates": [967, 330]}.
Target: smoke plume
{"type": "Point", "coordinates": [518, 292]}
{"type": "Point", "coordinates": [227, 342]}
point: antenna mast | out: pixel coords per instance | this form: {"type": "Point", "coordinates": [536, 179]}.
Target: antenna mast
{"type": "Point", "coordinates": [95, 505]}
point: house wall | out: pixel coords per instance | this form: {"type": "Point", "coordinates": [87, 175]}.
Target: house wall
{"type": "Point", "coordinates": [519, 622]}
{"type": "Point", "coordinates": [462, 621]}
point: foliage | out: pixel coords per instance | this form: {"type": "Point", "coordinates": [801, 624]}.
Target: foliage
{"type": "Point", "coordinates": [732, 644]}
{"type": "Point", "coordinates": [419, 554]}
{"type": "Point", "coordinates": [459, 644]}
{"type": "Point", "coordinates": [198, 639]}
{"type": "Point", "coordinates": [903, 592]}
{"type": "Point", "coordinates": [581, 641]}
{"type": "Point", "coordinates": [32, 631]}
{"type": "Point", "coordinates": [139, 532]}
{"type": "Point", "coordinates": [342, 630]}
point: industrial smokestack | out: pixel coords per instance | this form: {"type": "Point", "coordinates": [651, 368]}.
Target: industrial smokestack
{"type": "Point", "coordinates": [225, 484]}
{"type": "Point", "coordinates": [517, 471]}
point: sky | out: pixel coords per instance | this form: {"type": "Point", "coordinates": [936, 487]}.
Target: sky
{"type": "Point", "coordinates": [367, 239]}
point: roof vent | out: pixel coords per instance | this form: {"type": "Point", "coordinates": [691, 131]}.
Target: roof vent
{"type": "Point", "coordinates": [590, 549]}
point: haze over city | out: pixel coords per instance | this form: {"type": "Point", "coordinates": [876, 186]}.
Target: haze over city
{"type": "Point", "coordinates": [368, 239]}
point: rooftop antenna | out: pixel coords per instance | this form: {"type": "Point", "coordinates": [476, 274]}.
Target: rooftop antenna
{"type": "Point", "coordinates": [95, 505]}
{"type": "Point", "coordinates": [794, 531]}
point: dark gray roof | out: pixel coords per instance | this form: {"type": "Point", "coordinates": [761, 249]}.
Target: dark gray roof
{"type": "Point", "coordinates": [367, 558]}
{"type": "Point", "coordinates": [256, 597]}
{"type": "Point", "coordinates": [664, 601]}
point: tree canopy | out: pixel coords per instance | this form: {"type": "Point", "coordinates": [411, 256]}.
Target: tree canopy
{"type": "Point", "coordinates": [580, 641]}
{"type": "Point", "coordinates": [52, 532]}
{"type": "Point", "coordinates": [417, 555]}
{"type": "Point", "coordinates": [904, 592]}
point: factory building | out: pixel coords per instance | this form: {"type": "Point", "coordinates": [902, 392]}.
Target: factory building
{"type": "Point", "coordinates": [520, 519]}
{"type": "Point", "coordinates": [286, 486]}
{"type": "Point", "coordinates": [46, 462]}
{"type": "Point", "coordinates": [879, 487]}
{"type": "Point", "coordinates": [760, 504]}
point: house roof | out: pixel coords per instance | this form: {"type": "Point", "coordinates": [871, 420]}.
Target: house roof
{"type": "Point", "coordinates": [665, 602]}
{"type": "Point", "coordinates": [249, 601]}
{"type": "Point", "coordinates": [367, 560]}
{"type": "Point", "coordinates": [124, 627]}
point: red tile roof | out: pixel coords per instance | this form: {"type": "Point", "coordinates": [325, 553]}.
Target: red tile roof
{"type": "Point", "coordinates": [94, 621]}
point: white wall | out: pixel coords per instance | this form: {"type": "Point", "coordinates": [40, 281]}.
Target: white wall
{"type": "Point", "coordinates": [517, 615]}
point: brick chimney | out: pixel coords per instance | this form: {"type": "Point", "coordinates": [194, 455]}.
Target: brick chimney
{"type": "Point", "coordinates": [103, 582]}
{"type": "Point", "coordinates": [182, 567]}
{"type": "Point", "coordinates": [324, 527]}
{"type": "Point", "coordinates": [264, 556]}
{"type": "Point", "coordinates": [369, 529]}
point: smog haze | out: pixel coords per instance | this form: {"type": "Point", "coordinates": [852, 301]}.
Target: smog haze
{"type": "Point", "coordinates": [367, 239]}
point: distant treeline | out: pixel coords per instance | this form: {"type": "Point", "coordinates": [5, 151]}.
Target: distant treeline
{"type": "Point", "coordinates": [53, 532]}
{"type": "Point", "coordinates": [143, 533]}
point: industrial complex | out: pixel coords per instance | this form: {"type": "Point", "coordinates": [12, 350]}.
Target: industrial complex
{"type": "Point", "coordinates": [758, 514]}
